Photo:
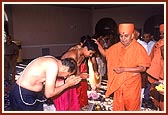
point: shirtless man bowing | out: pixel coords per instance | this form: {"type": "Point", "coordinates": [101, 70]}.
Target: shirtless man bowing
{"type": "Point", "coordinates": [26, 94]}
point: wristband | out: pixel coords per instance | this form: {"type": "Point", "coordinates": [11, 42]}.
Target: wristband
{"type": "Point", "coordinates": [64, 80]}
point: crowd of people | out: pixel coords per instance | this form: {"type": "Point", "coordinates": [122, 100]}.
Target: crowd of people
{"type": "Point", "coordinates": [132, 67]}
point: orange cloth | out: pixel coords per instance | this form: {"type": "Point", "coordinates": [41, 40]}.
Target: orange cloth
{"type": "Point", "coordinates": [156, 69]}
{"type": "Point", "coordinates": [126, 28]}
{"type": "Point", "coordinates": [162, 28]}
{"type": "Point", "coordinates": [156, 48]}
{"type": "Point", "coordinates": [156, 72]}
{"type": "Point", "coordinates": [125, 83]}
{"type": "Point", "coordinates": [127, 96]}
{"type": "Point", "coordinates": [161, 69]}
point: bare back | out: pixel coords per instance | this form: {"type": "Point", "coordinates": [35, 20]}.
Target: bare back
{"type": "Point", "coordinates": [71, 54]}
{"type": "Point", "coordinates": [34, 75]}
{"type": "Point", "coordinates": [75, 54]}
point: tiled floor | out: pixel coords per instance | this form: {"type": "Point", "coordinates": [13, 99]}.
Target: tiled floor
{"type": "Point", "coordinates": [104, 104]}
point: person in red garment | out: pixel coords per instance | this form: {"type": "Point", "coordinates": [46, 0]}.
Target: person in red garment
{"type": "Point", "coordinates": [156, 70]}
{"type": "Point", "coordinates": [125, 61]}
{"type": "Point", "coordinates": [74, 98]}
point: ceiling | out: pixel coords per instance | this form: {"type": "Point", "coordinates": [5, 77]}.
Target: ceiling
{"type": "Point", "coordinates": [102, 6]}
{"type": "Point", "coordinates": [87, 6]}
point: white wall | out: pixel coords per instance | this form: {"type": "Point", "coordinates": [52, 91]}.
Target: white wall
{"type": "Point", "coordinates": [39, 25]}
{"type": "Point", "coordinates": [58, 28]}
{"type": "Point", "coordinates": [135, 13]}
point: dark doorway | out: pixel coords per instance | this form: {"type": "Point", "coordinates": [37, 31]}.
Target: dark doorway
{"type": "Point", "coordinates": [152, 25]}
{"type": "Point", "coordinates": [107, 26]}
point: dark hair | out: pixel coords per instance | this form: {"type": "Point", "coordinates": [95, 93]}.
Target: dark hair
{"type": "Point", "coordinates": [95, 36]}
{"type": "Point", "coordinates": [71, 63]}
{"type": "Point", "coordinates": [91, 45]}
{"type": "Point", "coordinates": [84, 38]}
{"type": "Point", "coordinates": [148, 32]}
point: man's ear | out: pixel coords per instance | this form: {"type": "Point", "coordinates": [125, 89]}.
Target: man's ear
{"type": "Point", "coordinates": [85, 48]}
{"type": "Point", "coordinates": [132, 36]}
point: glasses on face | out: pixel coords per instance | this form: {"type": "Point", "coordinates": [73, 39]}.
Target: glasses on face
{"type": "Point", "coordinates": [124, 35]}
{"type": "Point", "coordinates": [146, 36]}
